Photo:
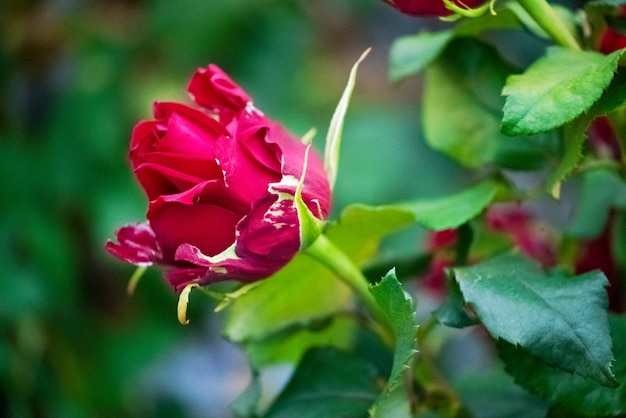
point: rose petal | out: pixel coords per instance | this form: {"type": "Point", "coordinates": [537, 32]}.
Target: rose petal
{"type": "Point", "coordinates": [255, 142]}
{"type": "Point", "coordinates": [240, 269]}
{"type": "Point", "coordinates": [204, 216]}
{"type": "Point", "coordinates": [137, 245]}
{"type": "Point", "coordinates": [212, 89]}
{"type": "Point", "coordinates": [189, 132]}
{"type": "Point", "coordinates": [270, 230]}
{"type": "Point", "coordinates": [179, 277]}
{"type": "Point", "coordinates": [166, 174]}
{"type": "Point", "coordinates": [245, 176]}
{"type": "Point", "coordinates": [316, 192]}
{"type": "Point", "coordinates": [430, 7]}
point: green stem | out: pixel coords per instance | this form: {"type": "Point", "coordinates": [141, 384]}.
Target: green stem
{"type": "Point", "coordinates": [134, 279]}
{"type": "Point", "coordinates": [550, 21]}
{"type": "Point", "coordinates": [324, 251]}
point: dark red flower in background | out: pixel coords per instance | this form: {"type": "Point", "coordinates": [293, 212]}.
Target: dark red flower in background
{"type": "Point", "coordinates": [527, 233]}
{"type": "Point", "coordinates": [431, 7]}
{"type": "Point", "coordinates": [612, 39]}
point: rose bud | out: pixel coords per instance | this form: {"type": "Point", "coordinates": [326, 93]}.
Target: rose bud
{"type": "Point", "coordinates": [226, 188]}
{"type": "Point", "coordinates": [423, 8]}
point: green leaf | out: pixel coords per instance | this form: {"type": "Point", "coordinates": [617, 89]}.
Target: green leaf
{"type": "Point", "coordinates": [454, 312]}
{"type": "Point", "coordinates": [570, 392]}
{"type": "Point", "coordinates": [556, 89]}
{"type": "Point", "coordinates": [359, 229]}
{"type": "Point", "coordinates": [614, 97]}
{"type": "Point", "coordinates": [269, 308]}
{"type": "Point", "coordinates": [327, 383]}
{"type": "Point", "coordinates": [288, 345]}
{"type": "Point", "coordinates": [526, 153]}
{"type": "Point", "coordinates": [561, 320]}
{"type": "Point", "coordinates": [596, 200]}
{"type": "Point", "coordinates": [411, 54]}
{"type": "Point", "coordinates": [462, 105]}
{"type": "Point", "coordinates": [400, 311]}
{"type": "Point", "coordinates": [453, 210]}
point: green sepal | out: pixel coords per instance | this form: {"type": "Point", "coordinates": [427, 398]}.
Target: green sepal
{"type": "Point", "coordinates": [311, 226]}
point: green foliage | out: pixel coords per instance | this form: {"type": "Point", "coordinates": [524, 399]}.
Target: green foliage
{"type": "Point", "coordinates": [269, 310]}
{"type": "Point", "coordinates": [411, 54]}
{"type": "Point", "coordinates": [454, 312]}
{"type": "Point", "coordinates": [597, 198]}
{"type": "Point", "coordinates": [573, 394]}
{"type": "Point", "coordinates": [463, 109]}
{"type": "Point", "coordinates": [460, 119]}
{"type": "Point", "coordinates": [398, 307]}
{"type": "Point", "coordinates": [327, 383]}
{"type": "Point", "coordinates": [454, 210]}
{"type": "Point", "coordinates": [520, 304]}
{"type": "Point", "coordinates": [556, 89]}
{"type": "Point", "coordinates": [493, 394]}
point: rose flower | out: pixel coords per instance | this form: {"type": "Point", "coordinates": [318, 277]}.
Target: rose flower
{"type": "Point", "coordinates": [221, 181]}
{"type": "Point", "coordinates": [431, 7]}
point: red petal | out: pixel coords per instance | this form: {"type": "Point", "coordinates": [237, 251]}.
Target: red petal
{"type": "Point", "coordinates": [137, 245]}
{"type": "Point", "coordinates": [270, 230]}
{"type": "Point", "coordinates": [204, 216]}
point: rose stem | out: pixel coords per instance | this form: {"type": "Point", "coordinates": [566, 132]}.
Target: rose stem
{"type": "Point", "coordinates": [550, 21]}
{"type": "Point", "coordinates": [324, 251]}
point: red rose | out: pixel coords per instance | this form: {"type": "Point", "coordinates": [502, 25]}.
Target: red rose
{"type": "Point", "coordinates": [431, 7]}
{"type": "Point", "coordinates": [221, 180]}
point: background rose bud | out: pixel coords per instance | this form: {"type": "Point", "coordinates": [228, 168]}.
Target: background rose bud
{"type": "Point", "coordinates": [221, 180]}
{"type": "Point", "coordinates": [430, 7]}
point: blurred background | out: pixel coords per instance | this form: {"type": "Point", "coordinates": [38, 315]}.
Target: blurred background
{"type": "Point", "coordinates": [75, 76]}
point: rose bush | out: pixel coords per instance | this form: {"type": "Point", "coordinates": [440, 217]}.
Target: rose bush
{"type": "Point", "coordinates": [431, 7]}
{"type": "Point", "coordinates": [221, 180]}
